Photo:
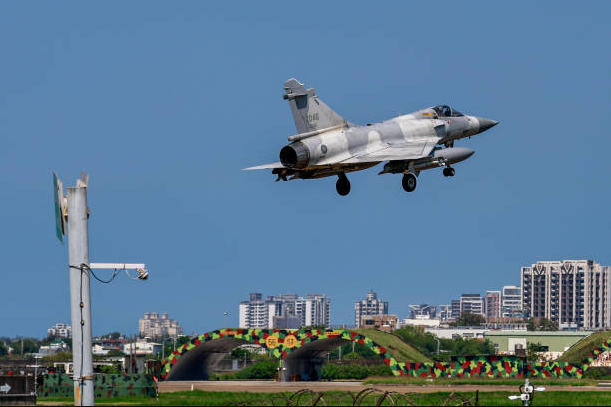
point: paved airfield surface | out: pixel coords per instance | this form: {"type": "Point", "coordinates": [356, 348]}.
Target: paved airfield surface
{"type": "Point", "coordinates": [279, 387]}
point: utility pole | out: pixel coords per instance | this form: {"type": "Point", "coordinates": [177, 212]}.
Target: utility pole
{"type": "Point", "coordinates": [80, 299]}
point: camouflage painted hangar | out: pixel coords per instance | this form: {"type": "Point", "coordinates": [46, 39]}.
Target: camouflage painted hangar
{"type": "Point", "coordinates": [301, 353]}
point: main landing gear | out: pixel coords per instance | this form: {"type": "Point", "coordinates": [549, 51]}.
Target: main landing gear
{"type": "Point", "coordinates": [448, 172]}
{"type": "Point", "coordinates": [409, 182]}
{"type": "Point", "coordinates": [342, 185]}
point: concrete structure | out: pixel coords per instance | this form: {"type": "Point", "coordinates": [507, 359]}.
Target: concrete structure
{"type": "Point", "coordinates": [507, 324]}
{"type": "Point", "coordinates": [285, 309]}
{"type": "Point", "coordinates": [511, 302]}
{"type": "Point", "coordinates": [493, 305]}
{"type": "Point", "coordinates": [386, 323]}
{"type": "Point", "coordinates": [568, 292]}
{"type": "Point", "coordinates": [368, 306]}
{"type": "Point", "coordinates": [60, 330]}
{"type": "Point", "coordinates": [140, 348]}
{"type": "Point", "coordinates": [555, 343]}
{"type": "Point", "coordinates": [466, 332]}
{"type": "Point", "coordinates": [155, 325]}
{"type": "Point", "coordinates": [416, 311]}
{"type": "Point", "coordinates": [53, 348]}
{"type": "Point", "coordinates": [455, 309]}
{"type": "Point", "coordinates": [420, 321]}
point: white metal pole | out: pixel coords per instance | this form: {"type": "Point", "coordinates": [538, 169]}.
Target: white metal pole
{"type": "Point", "coordinates": [80, 299]}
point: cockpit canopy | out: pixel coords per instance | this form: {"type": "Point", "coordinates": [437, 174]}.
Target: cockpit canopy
{"type": "Point", "coordinates": [446, 111]}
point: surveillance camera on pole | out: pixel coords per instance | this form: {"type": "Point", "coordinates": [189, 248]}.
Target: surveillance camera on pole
{"type": "Point", "coordinates": [73, 211]}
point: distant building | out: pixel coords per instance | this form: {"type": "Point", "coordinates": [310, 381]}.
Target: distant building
{"type": "Point", "coordinates": [455, 309]}
{"type": "Point", "coordinates": [493, 305]}
{"type": "Point", "coordinates": [569, 292]}
{"type": "Point", "coordinates": [285, 310]}
{"type": "Point", "coordinates": [386, 323]}
{"type": "Point", "coordinates": [422, 320]}
{"type": "Point", "coordinates": [141, 348]}
{"type": "Point", "coordinates": [53, 348]}
{"type": "Point", "coordinates": [155, 325]}
{"type": "Point", "coordinates": [472, 304]}
{"type": "Point", "coordinates": [422, 310]}
{"type": "Point", "coordinates": [445, 312]}
{"type": "Point", "coordinates": [368, 306]}
{"type": "Point", "coordinates": [60, 330]}
{"type": "Point", "coordinates": [511, 299]}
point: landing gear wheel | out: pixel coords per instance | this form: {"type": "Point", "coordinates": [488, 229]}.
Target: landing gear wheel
{"type": "Point", "coordinates": [409, 182]}
{"type": "Point", "coordinates": [448, 172]}
{"type": "Point", "coordinates": [342, 185]}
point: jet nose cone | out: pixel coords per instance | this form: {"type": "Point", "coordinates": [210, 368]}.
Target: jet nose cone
{"type": "Point", "coordinates": [485, 124]}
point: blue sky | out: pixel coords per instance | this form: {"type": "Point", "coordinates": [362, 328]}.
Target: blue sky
{"type": "Point", "coordinates": [163, 104]}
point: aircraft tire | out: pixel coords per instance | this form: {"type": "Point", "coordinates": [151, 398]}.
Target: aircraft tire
{"type": "Point", "coordinates": [409, 182]}
{"type": "Point", "coordinates": [451, 172]}
{"type": "Point", "coordinates": [342, 185]}
{"type": "Point", "coordinates": [445, 172]}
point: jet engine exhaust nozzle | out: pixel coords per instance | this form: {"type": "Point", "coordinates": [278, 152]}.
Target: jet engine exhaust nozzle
{"type": "Point", "coordinates": [295, 155]}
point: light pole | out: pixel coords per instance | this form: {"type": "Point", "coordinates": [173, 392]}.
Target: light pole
{"type": "Point", "coordinates": [225, 314]}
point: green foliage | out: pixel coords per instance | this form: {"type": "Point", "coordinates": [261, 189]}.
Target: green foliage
{"type": "Point", "coordinates": [30, 345]}
{"type": "Point", "coordinates": [468, 319]}
{"type": "Point", "coordinates": [110, 369]}
{"type": "Point", "coordinates": [426, 342]}
{"type": "Point", "coordinates": [579, 352]}
{"type": "Point", "coordinates": [361, 351]}
{"type": "Point", "coordinates": [3, 349]}
{"type": "Point", "coordinates": [112, 335]}
{"type": "Point", "coordinates": [541, 324]}
{"type": "Point", "coordinates": [115, 352]}
{"type": "Point", "coordinates": [265, 369]}
{"type": "Point", "coordinates": [532, 349]}
{"type": "Point", "coordinates": [240, 354]}
{"type": "Point", "coordinates": [598, 373]}
{"type": "Point", "coordinates": [58, 357]}
{"type": "Point", "coordinates": [332, 371]}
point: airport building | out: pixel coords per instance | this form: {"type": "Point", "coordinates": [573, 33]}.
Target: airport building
{"type": "Point", "coordinates": [572, 293]}
{"type": "Point", "coordinates": [368, 306]}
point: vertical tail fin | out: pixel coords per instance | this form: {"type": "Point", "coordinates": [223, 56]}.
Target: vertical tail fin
{"type": "Point", "coordinates": [309, 112]}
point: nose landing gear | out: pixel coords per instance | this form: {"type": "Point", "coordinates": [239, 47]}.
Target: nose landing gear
{"type": "Point", "coordinates": [342, 185]}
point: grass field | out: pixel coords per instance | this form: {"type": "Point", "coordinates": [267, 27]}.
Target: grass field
{"type": "Point", "coordinates": [479, 382]}
{"type": "Point", "coordinates": [400, 350]}
{"type": "Point", "coordinates": [579, 352]}
{"type": "Point", "coordinates": [191, 398]}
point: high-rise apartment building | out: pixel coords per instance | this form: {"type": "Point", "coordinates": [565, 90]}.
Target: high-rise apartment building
{"type": "Point", "coordinates": [493, 305]}
{"type": "Point", "coordinates": [472, 304]}
{"type": "Point", "coordinates": [370, 305]}
{"type": "Point", "coordinates": [568, 292]}
{"type": "Point", "coordinates": [155, 325]}
{"type": "Point", "coordinates": [455, 309]}
{"type": "Point", "coordinates": [511, 302]}
{"type": "Point", "coordinates": [314, 309]}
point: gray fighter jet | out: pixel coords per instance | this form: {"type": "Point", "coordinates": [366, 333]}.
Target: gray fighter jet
{"type": "Point", "coordinates": [327, 144]}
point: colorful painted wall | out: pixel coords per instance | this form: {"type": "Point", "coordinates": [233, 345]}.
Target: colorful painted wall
{"type": "Point", "coordinates": [281, 342]}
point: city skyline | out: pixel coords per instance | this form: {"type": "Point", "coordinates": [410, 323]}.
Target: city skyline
{"type": "Point", "coordinates": [162, 112]}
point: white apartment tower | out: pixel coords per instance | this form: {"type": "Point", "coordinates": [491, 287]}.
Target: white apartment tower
{"type": "Point", "coordinates": [314, 309]}
{"type": "Point", "coordinates": [369, 306]}
{"type": "Point", "coordinates": [511, 302]}
{"type": "Point", "coordinates": [568, 292]}
{"type": "Point", "coordinates": [155, 325]}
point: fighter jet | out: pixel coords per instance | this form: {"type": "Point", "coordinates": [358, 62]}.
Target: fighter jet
{"type": "Point", "coordinates": [326, 144]}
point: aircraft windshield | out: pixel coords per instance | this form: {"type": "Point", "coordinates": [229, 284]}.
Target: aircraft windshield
{"type": "Point", "coordinates": [446, 111]}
